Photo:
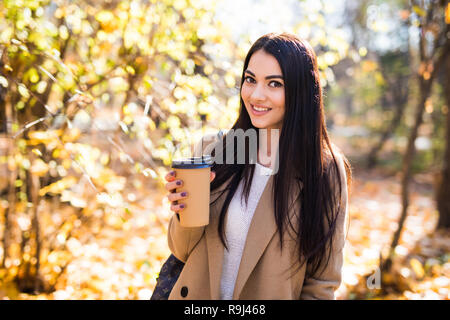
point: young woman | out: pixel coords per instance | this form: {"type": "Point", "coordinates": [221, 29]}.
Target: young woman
{"type": "Point", "coordinates": [286, 240]}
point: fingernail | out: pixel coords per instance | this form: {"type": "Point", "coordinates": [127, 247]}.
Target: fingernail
{"type": "Point", "coordinates": [172, 173]}
{"type": "Point", "coordinates": [178, 183]}
{"type": "Point", "coordinates": [183, 194]}
{"type": "Point", "coordinates": [181, 205]}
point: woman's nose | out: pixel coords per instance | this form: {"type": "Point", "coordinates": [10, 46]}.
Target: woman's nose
{"type": "Point", "coordinates": [258, 94]}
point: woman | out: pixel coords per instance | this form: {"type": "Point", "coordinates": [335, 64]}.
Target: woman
{"type": "Point", "coordinates": [286, 241]}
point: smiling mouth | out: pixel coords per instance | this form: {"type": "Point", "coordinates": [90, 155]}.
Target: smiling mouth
{"type": "Point", "coordinates": [260, 108]}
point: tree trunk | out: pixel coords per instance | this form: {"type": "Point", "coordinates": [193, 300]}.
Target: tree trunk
{"type": "Point", "coordinates": [3, 119]}
{"type": "Point", "coordinates": [443, 192]}
{"type": "Point", "coordinates": [425, 90]}
{"type": "Point", "coordinates": [9, 212]}
{"type": "Point", "coordinates": [399, 110]}
{"type": "Point", "coordinates": [3, 95]}
{"type": "Point", "coordinates": [10, 116]}
{"type": "Point", "coordinates": [426, 74]}
{"type": "Point", "coordinates": [35, 186]}
{"type": "Point", "coordinates": [398, 87]}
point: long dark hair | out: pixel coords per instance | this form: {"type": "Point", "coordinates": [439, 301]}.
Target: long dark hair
{"type": "Point", "coordinates": [305, 153]}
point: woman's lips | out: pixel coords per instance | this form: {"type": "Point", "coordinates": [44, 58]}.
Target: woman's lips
{"type": "Point", "coordinates": [259, 113]}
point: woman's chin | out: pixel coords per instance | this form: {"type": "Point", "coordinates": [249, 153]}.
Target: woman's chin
{"type": "Point", "coordinates": [259, 125]}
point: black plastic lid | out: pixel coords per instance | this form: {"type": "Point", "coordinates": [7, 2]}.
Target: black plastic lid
{"type": "Point", "coordinates": [193, 162]}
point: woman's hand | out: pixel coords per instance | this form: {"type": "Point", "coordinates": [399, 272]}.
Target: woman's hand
{"type": "Point", "coordinates": [172, 184]}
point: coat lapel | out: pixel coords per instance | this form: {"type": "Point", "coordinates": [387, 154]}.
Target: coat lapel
{"type": "Point", "coordinates": [213, 242]}
{"type": "Point", "coordinates": [261, 230]}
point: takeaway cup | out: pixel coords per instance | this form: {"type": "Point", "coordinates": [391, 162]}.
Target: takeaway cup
{"type": "Point", "coordinates": [195, 173]}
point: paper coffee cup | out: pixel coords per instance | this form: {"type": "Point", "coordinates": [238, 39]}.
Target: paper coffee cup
{"type": "Point", "coordinates": [195, 173]}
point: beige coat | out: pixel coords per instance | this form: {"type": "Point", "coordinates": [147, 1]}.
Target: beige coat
{"type": "Point", "coordinates": [264, 270]}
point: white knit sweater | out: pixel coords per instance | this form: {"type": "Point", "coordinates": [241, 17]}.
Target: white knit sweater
{"type": "Point", "coordinates": [237, 224]}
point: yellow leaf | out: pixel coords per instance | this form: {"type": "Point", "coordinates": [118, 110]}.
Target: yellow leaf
{"type": "Point", "coordinates": [58, 186]}
{"type": "Point", "coordinates": [71, 135]}
{"type": "Point", "coordinates": [39, 167]}
{"type": "Point", "coordinates": [369, 66]}
{"type": "Point", "coordinates": [32, 75]}
{"type": "Point", "coordinates": [44, 137]}
{"type": "Point", "coordinates": [130, 70]}
{"type": "Point", "coordinates": [37, 152]}
{"type": "Point", "coordinates": [151, 124]}
{"type": "Point", "coordinates": [419, 11]}
{"type": "Point", "coordinates": [447, 14]}
{"type": "Point", "coordinates": [417, 267]}
{"type": "Point", "coordinates": [107, 20]}
{"type": "Point", "coordinates": [75, 199]}
{"type": "Point", "coordinates": [67, 163]}
{"type": "Point", "coordinates": [23, 91]}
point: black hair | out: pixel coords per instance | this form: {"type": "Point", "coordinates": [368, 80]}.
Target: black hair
{"type": "Point", "coordinates": [306, 155]}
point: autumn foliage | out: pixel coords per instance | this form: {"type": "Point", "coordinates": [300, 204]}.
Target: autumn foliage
{"type": "Point", "coordinates": [97, 98]}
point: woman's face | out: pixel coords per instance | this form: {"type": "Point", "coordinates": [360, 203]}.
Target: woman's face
{"type": "Point", "coordinates": [263, 91]}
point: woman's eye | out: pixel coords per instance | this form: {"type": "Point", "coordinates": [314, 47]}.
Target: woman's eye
{"type": "Point", "coordinates": [276, 84]}
{"type": "Point", "coordinates": [248, 79]}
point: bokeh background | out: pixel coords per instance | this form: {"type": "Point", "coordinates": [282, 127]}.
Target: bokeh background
{"type": "Point", "coordinates": [96, 97]}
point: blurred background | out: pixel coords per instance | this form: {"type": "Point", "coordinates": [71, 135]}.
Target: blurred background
{"type": "Point", "coordinates": [96, 97]}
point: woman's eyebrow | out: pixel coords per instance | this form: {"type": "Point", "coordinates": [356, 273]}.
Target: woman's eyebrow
{"type": "Point", "coordinates": [268, 77]}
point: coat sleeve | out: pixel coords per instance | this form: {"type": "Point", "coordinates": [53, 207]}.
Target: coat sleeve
{"type": "Point", "coordinates": [182, 240]}
{"type": "Point", "coordinates": [324, 285]}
